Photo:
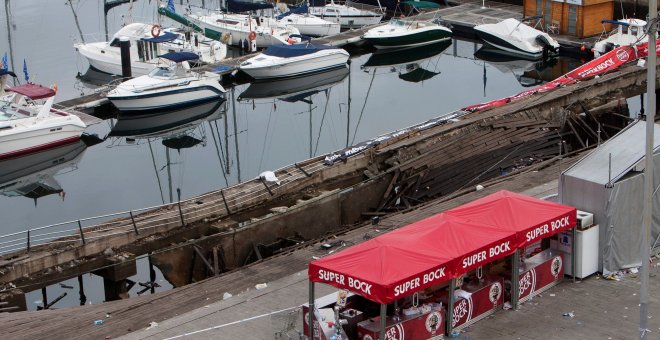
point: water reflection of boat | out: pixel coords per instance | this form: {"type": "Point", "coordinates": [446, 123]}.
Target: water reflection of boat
{"type": "Point", "coordinates": [162, 123]}
{"type": "Point", "coordinates": [294, 87]}
{"type": "Point", "coordinates": [407, 62]}
{"type": "Point", "coordinates": [520, 68]}
{"type": "Point", "coordinates": [384, 58]}
{"type": "Point", "coordinates": [32, 175]}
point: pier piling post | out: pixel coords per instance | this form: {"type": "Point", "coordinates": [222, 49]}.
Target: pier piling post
{"type": "Point", "coordinates": [81, 291]}
{"type": "Point", "coordinates": [125, 45]}
{"type": "Point", "coordinates": [28, 241]}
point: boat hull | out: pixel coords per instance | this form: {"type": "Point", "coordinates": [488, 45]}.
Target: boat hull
{"type": "Point", "coordinates": [296, 67]}
{"type": "Point", "coordinates": [21, 143]}
{"type": "Point", "coordinates": [411, 39]}
{"type": "Point", "coordinates": [166, 99]}
{"type": "Point", "coordinates": [507, 47]}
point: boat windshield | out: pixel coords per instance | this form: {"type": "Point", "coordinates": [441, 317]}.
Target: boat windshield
{"type": "Point", "coordinates": [163, 72]}
{"type": "Point", "coordinates": [398, 22]}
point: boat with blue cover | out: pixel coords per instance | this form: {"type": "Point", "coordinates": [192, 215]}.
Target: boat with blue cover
{"type": "Point", "coordinates": [294, 60]}
{"type": "Point", "coordinates": [168, 87]}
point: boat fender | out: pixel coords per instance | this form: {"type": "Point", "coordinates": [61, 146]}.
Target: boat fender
{"type": "Point", "coordinates": [155, 30]}
{"type": "Point", "coordinates": [225, 37]}
{"type": "Point", "coordinates": [252, 35]}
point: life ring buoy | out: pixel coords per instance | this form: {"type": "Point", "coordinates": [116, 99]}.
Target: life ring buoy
{"type": "Point", "coordinates": [155, 30]}
{"type": "Point", "coordinates": [252, 35]}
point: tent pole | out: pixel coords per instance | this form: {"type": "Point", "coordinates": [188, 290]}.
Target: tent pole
{"type": "Point", "coordinates": [515, 279]}
{"type": "Point", "coordinates": [310, 312]}
{"type": "Point", "coordinates": [450, 306]}
{"type": "Point", "coordinates": [574, 253]}
{"type": "Point", "coordinates": [383, 319]}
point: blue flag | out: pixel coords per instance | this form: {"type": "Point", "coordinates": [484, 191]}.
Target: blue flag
{"type": "Point", "coordinates": [5, 65]}
{"type": "Point", "coordinates": [25, 72]}
{"type": "Point", "coordinates": [170, 5]}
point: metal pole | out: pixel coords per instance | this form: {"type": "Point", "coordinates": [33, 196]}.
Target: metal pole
{"type": "Point", "coordinates": [515, 279]}
{"type": "Point", "coordinates": [648, 172]}
{"type": "Point", "coordinates": [82, 236]}
{"type": "Point", "coordinates": [574, 253]}
{"type": "Point", "coordinates": [81, 291]}
{"type": "Point", "coordinates": [450, 307]}
{"type": "Point", "coordinates": [310, 312]}
{"type": "Point", "coordinates": [133, 220]}
{"type": "Point", "coordinates": [238, 158]}
{"type": "Point", "coordinates": [178, 193]}
{"type": "Point", "coordinates": [28, 240]}
{"type": "Point", "coordinates": [383, 320]}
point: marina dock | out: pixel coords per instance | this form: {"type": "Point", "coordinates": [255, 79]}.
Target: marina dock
{"type": "Point", "coordinates": [463, 15]}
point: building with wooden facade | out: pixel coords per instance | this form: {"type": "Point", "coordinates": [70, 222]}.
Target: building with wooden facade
{"type": "Point", "coordinates": [580, 18]}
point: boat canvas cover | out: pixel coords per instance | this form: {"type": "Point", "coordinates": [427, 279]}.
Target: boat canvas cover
{"type": "Point", "coordinates": [294, 10]}
{"type": "Point", "coordinates": [235, 6]}
{"type": "Point", "coordinates": [178, 57]}
{"type": "Point", "coordinates": [290, 51]}
{"type": "Point", "coordinates": [32, 91]}
{"type": "Point", "coordinates": [4, 72]}
{"type": "Point", "coordinates": [530, 218]}
{"type": "Point", "coordinates": [412, 258]}
{"type": "Point", "coordinates": [421, 4]}
{"type": "Point", "coordinates": [164, 37]}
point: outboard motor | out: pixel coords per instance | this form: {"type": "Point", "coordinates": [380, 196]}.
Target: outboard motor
{"type": "Point", "coordinates": [542, 40]}
{"type": "Point", "coordinates": [608, 47]}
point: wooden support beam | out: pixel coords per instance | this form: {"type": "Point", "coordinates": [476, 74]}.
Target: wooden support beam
{"type": "Point", "coordinates": [201, 256]}
{"type": "Point", "coordinates": [577, 135]}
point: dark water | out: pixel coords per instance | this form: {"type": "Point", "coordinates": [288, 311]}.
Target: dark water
{"type": "Point", "coordinates": [262, 127]}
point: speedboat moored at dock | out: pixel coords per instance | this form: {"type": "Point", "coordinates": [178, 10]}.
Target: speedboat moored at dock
{"type": "Point", "coordinates": [168, 87]}
{"type": "Point", "coordinates": [627, 32]}
{"type": "Point", "coordinates": [294, 60]}
{"type": "Point", "coordinates": [147, 42]}
{"type": "Point", "coordinates": [27, 127]}
{"type": "Point", "coordinates": [513, 37]}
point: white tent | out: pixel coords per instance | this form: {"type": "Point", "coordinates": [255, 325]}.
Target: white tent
{"type": "Point", "coordinates": [609, 182]}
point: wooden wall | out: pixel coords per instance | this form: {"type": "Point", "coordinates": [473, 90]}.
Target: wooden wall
{"type": "Point", "coordinates": [588, 16]}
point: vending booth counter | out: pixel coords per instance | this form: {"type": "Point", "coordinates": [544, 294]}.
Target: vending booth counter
{"type": "Point", "coordinates": [540, 272]}
{"type": "Point", "coordinates": [475, 300]}
{"type": "Point", "coordinates": [426, 323]}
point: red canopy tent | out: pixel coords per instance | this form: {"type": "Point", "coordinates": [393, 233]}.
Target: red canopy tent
{"type": "Point", "coordinates": [414, 257]}
{"type": "Point", "coordinates": [530, 218]}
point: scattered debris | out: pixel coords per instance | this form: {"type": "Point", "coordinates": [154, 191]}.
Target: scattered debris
{"type": "Point", "coordinates": [569, 314]}
{"type": "Point", "coordinates": [65, 286]}
{"type": "Point", "coordinates": [152, 324]}
{"type": "Point", "coordinates": [479, 187]}
{"type": "Point", "coordinates": [260, 286]}
{"type": "Point", "coordinates": [98, 322]}
{"type": "Point", "coordinates": [226, 296]}
{"type": "Point", "coordinates": [507, 306]}
{"type": "Point", "coordinates": [553, 295]}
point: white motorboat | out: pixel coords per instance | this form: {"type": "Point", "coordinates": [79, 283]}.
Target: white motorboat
{"type": "Point", "coordinates": [147, 42]}
{"type": "Point", "coordinates": [234, 29]}
{"type": "Point", "coordinates": [627, 32]}
{"type": "Point", "coordinates": [27, 126]}
{"type": "Point", "coordinates": [346, 16]}
{"type": "Point", "coordinates": [168, 87]}
{"type": "Point", "coordinates": [407, 32]}
{"type": "Point", "coordinates": [309, 24]}
{"type": "Point", "coordinates": [513, 37]}
{"type": "Point", "coordinates": [294, 60]}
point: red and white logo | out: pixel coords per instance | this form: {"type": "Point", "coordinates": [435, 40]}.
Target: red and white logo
{"type": "Point", "coordinates": [433, 322]}
{"type": "Point", "coordinates": [463, 310]}
{"type": "Point", "coordinates": [395, 333]}
{"type": "Point", "coordinates": [555, 268]}
{"type": "Point", "coordinates": [495, 292]}
{"type": "Point", "coordinates": [623, 55]}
